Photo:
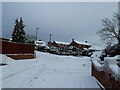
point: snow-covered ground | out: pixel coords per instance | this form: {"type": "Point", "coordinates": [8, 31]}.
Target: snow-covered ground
{"type": "Point", "coordinates": [48, 71]}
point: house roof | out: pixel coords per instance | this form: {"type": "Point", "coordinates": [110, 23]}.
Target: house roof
{"type": "Point", "coordinates": [62, 42]}
{"type": "Point", "coordinates": [96, 47]}
{"type": "Point", "coordinates": [66, 43]}
{"type": "Point", "coordinates": [82, 43]}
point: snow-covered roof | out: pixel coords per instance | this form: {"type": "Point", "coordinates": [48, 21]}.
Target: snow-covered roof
{"type": "Point", "coordinates": [82, 43]}
{"type": "Point", "coordinates": [62, 42]}
{"type": "Point", "coordinates": [40, 42]}
{"type": "Point", "coordinates": [95, 47]}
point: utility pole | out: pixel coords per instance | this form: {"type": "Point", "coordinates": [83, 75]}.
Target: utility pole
{"type": "Point", "coordinates": [50, 37]}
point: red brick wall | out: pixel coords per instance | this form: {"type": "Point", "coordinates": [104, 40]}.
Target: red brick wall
{"type": "Point", "coordinates": [16, 48]}
{"type": "Point", "coordinates": [105, 78]}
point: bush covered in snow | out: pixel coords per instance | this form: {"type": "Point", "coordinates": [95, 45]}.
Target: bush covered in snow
{"type": "Point", "coordinates": [110, 51]}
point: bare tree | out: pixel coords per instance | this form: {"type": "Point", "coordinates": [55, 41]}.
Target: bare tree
{"type": "Point", "coordinates": [111, 29]}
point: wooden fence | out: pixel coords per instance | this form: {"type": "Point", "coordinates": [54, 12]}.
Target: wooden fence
{"type": "Point", "coordinates": [8, 47]}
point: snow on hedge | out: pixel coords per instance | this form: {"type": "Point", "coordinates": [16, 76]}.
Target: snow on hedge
{"type": "Point", "coordinates": [96, 54]}
{"type": "Point", "coordinates": [111, 63]}
{"type": "Point", "coordinates": [111, 60]}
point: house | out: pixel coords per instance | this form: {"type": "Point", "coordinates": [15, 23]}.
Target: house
{"type": "Point", "coordinates": [79, 45]}
{"type": "Point", "coordinates": [68, 48]}
{"type": "Point", "coordinates": [58, 46]}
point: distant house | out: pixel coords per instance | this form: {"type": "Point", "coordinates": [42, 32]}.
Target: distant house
{"type": "Point", "coordinates": [68, 48]}
{"type": "Point", "coordinates": [58, 46]}
{"type": "Point", "coordinates": [79, 45]}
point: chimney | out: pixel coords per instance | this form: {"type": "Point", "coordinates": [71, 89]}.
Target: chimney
{"type": "Point", "coordinates": [72, 40]}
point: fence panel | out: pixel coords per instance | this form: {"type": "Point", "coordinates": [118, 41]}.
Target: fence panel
{"type": "Point", "coordinates": [16, 48]}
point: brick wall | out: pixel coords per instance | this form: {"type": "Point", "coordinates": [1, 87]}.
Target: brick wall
{"type": "Point", "coordinates": [105, 78]}
{"type": "Point", "coordinates": [16, 48]}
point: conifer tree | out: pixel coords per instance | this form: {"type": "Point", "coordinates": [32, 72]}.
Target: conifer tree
{"type": "Point", "coordinates": [18, 34]}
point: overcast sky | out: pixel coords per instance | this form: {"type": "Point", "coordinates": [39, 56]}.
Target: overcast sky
{"type": "Point", "coordinates": [64, 20]}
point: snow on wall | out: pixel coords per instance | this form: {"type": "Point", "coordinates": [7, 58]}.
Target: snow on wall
{"type": "Point", "coordinates": [98, 66]}
{"type": "Point", "coordinates": [111, 63]}
{"type": "Point", "coordinates": [96, 60]}
{"type": "Point", "coordinates": [115, 70]}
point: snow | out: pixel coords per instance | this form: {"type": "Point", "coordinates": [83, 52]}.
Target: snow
{"type": "Point", "coordinates": [48, 71]}
{"type": "Point", "coordinates": [115, 70]}
{"type": "Point", "coordinates": [111, 62]}
{"type": "Point", "coordinates": [40, 43]}
{"type": "Point", "coordinates": [0, 72]}
{"type": "Point", "coordinates": [98, 66]}
{"type": "Point", "coordinates": [83, 43]}
{"type": "Point", "coordinates": [95, 47]}
{"type": "Point", "coordinates": [96, 60]}
{"type": "Point", "coordinates": [96, 55]}
{"type": "Point", "coordinates": [62, 43]}
{"type": "Point", "coordinates": [115, 57]}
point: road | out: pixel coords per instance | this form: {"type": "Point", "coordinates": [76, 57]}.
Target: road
{"type": "Point", "coordinates": [48, 71]}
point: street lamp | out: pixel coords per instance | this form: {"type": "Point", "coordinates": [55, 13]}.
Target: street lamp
{"type": "Point", "coordinates": [36, 34]}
